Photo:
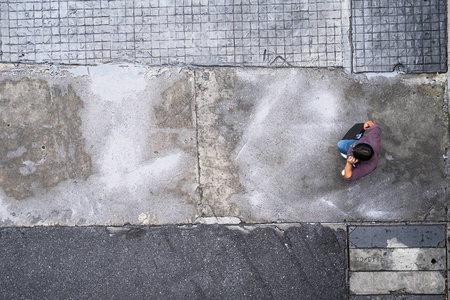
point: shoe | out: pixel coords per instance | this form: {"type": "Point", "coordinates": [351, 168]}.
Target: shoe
{"type": "Point", "coordinates": [344, 155]}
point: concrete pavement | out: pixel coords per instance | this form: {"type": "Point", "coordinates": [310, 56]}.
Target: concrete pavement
{"type": "Point", "coordinates": [108, 120]}
{"type": "Point", "coordinates": [115, 144]}
{"type": "Point", "coordinates": [123, 145]}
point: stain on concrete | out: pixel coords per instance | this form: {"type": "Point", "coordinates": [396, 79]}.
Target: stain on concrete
{"type": "Point", "coordinates": [354, 91]}
{"type": "Point", "coordinates": [40, 137]}
{"type": "Point", "coordinates": [414, 140]}
{"type": "Point", "coordinates": [266, 143]}
{"type": "Point", "coordinates": [285, 153]}
{"type": "Point", "coordinates": [176, 109]}
{"type": "Point", "coordinates": [164, 140]}
{"type": "Point", "coordinates": [410, 111]}
{"type": "Point", "coordinates": [219, 125]}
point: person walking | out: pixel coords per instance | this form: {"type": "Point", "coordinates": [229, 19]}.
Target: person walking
{"type": "Point", "coordinates": [361, 152]}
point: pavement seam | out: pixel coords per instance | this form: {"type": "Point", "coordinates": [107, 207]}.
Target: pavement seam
{"type": "Point", "coordinates": [243, 225]}
{"type": "Point", "coordinates": [350, 36]}
{"type": "Point", "coordinates": [446, 112]}
{"type": "Point", "coordinates": [347, 258]}
{"type": "Point", "coordinates": [199, 186]}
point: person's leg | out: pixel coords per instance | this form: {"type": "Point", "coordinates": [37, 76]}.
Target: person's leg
{"type": "Point", "coordinates": [344, 145]}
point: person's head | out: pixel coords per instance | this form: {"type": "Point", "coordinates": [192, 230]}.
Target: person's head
{"type": "Point", "coordinates": [363, 152]}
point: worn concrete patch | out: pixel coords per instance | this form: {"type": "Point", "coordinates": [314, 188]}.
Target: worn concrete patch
{"type": "Point", "coordinates": [410, 259]}
{"type": "Point", "coordinates": [272, 152]}
{"type": "Point", "coordinates": [127, 128]}
{"type": "Point", "coordinates": [40, 139]}
{"type": "Point", "coordinates": [426, 282]}
{"type": "Point", "coordinates": [415, 137]}
{"type": "Point", "coordinates": [221, 119]}
{"type": "Point", "coordinates": [397, 260]}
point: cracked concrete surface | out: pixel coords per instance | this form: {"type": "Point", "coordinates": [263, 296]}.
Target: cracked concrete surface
{"type": "Point", "coordinates": [131, 144]}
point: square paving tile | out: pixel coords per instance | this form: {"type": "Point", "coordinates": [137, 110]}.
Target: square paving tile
{"type": "Point", "coordinates": [411, 35]}
{"type": "Point", "coordinates": [155, 32]}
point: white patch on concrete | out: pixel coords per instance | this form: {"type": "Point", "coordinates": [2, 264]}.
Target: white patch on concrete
{"type": "Point", "coordinates": [394, 243]}
{"type": "Point", "coordinates": [402, 260]}
{"type": "Point", "coordinates": [154, 170]}
{"type": "Point", "coordinates": [370, 75]}
{"type": "Point", "coordinates": [218, 220]}
{"type": "Point", "coordinates": [30, 167]}
{"type": "Point", "coordinates": [389, 157]}
{"type": "Point", "coordinates": [17, 153]}
{"type": "Point", "coordinates": [4, 213]}
{"type": "Point", "coordinates": [123, 162]}
{"type": "Point", "coordinates": [114, 82]}
{"type": "Point", "coordinates": [130, 172]}
{"type": "Point", "coordinates": [266, 105]}
{"type": "Point", "coordinates": [374, 214]}
{"type": "Point", "coordinates": [144, 219]}
{"type": "Point", "coordinates": [263, 111]}
{"type": "Point", "coordinates": [398, 259]}
{"type": "Point", "coordinates": [329, 203]}
{"type": "Point", "coordinates": [256, 198]}
{"type": "Point", "coordinates": [325, 105]}
{"type": "Point", "coordinates": [79, 71]}
{"type": "Point", "coordinates": [120, 127]}
{"type": "Point", "coordinates": [332, 205]}
{"type": "Point", "coordinates": [381, 283]}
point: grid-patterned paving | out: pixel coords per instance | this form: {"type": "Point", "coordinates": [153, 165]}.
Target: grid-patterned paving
{"type": "Point", "coordinates": [407, 34]}
{"type": "Point", "coordinates": [159, 32]}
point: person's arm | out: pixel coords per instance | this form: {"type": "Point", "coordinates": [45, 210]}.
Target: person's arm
{"type": "Point", "coordinates": [375, 135]}
{"type": "Point", "coordinates": [348, 171]}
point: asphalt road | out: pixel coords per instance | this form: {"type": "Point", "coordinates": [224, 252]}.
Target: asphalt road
{"type": "Point", "coordinates": [169, 262]}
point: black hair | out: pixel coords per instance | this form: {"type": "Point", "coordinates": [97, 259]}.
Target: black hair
{"type": "Point", "coordinates": [363, 152]}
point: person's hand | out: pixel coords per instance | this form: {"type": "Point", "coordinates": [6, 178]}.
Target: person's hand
{"type": "Point", "coordinates": [351, 160]}
{"type": "Point", "coordinates": [368, 124]}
